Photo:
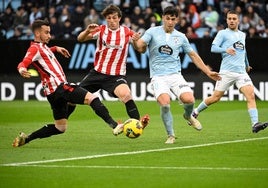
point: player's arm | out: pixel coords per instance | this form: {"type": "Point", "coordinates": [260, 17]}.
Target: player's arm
{"type": "Point", "coordinates": [88, 33]}
{"type": "Point", "coordinates": [201, 65]}
{"type": "Point", "coordinates": [25, 63]}
{"type": "Point", "coordinates": [61, 50]}
{"type": "Point", "coordinates": [248, 67]}
{"type": "Point", "coordinates": [216, 44]}
{"type": "Point", "coordinates": [139, 45]}
{"type": "Point", "coordinates": [217, 49]}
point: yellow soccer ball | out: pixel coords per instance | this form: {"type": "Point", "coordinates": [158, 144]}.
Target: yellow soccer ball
{"type": "Point", "coordinates": [132, 128]}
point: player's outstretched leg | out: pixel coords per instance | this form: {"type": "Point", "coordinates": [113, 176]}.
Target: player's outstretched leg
{"type": "Point", "coordinates": [20, 140]}
{"type": "Point", "coordinates": [118, 129]}
{"type": "Point", "coordinates": [193, 122]}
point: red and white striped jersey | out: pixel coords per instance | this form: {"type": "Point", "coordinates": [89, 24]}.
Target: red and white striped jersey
{"type": "Point", "coordinates": [43, 59]}
{"type": "Point", "coordinates": [112, 50]}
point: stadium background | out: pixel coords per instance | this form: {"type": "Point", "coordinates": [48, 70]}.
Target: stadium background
{"type": "Point", "coordinates": [13, 87]}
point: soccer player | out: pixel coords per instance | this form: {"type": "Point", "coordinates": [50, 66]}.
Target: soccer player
{"type": "Point", "coordinates": [109, 72]}
{"type": "Point", "coordinates": [230, 42]}
{"type": "Point", "coordinates": [56, 88]}
{"type": "Point", "coordinates": [165, 43]}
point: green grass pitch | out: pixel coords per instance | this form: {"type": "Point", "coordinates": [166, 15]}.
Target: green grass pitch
{"type": "Point", "coordinates": [224, 154]}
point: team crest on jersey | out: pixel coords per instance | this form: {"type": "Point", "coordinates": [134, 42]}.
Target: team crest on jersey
{"type": "Point", "coordinates": [112, 45]}
{"type": "Point", "coordinates": [165, 50]}
{"type": "Point", "coordinates": [176, 40]}
{"type": "Point", "coordinates": [238, 45]}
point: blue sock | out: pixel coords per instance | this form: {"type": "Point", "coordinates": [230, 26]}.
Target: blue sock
{"type": "Point", "coordinates": [253, 114]}
{"type": "Point", "coordinates": [167, 118]}
{"type": "Point", "coordinates": [202, 106]}
{"type": "Point", "coordinates": [188, 108]}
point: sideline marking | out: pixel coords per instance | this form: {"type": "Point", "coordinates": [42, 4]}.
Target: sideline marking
{"type": "Point", "coordinates": [130, 153]}
{"type": "Point", "coordinates": [151, 167]}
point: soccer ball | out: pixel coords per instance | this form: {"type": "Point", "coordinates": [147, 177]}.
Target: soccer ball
{"type": "Point", "coordinates": [132, 128]}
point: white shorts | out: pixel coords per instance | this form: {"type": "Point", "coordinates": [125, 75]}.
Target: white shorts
{"type": "Point", "coordinates": [230, 78]}
{"type": "Point", "coordinates": [174, 83]}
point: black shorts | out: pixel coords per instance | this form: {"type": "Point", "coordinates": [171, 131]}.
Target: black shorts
{"type": "Point", "coordinates": [95, 81]}
{"type": "Point", "coordinates": [65, 93]}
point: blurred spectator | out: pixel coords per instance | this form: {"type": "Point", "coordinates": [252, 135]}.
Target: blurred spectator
{"type": "Point", "coordinates": [77, 17]}
{"type": "Point", "coordinates": [193, 17]}
{"type": "Point", "coordinates": [127, 6]}
{"type": "Point", "coordinates": [55, 28]}
{"type": "Point", "coordinates": [99, 5]}
{"type": "Point", "coordinates": [181, 12]}
{"type": "Point", "coordinates": [182, 25]}
{"type": "Point", "coordinates": [20, 18]}
{"type": "Point", "coordinates": [52, 12]}
{"type": "Point", "coordinates": [65, 15]}
{"type": "Point", "coordinates": [209, 17]}
{"type": "Point", "coordinates": [136, 15]}
{"type": "Point", "coordinates": [223, 13]}
{"type": "Point", "coordinates": [265, 33]}
{"type": "Point", "coordinates": [139, 26]}
{"type": "Point", "coordinates": [252, 32]}
{"type": "Point", "coordinates": [190, 33]}
{"type": "Point", "coordinates": [144, 4]}
{"type": "Point", "coordinates": [7, 18]}
{"type": "Point", "coordinates": [35, 14]}
{"type": "Point", "coordinates": [92, 17]}
{"type": "Point", "coordinates": [252, 15]}
{"type": "Point", "coordinates": [166, 3]}
{"type": "Point", "coordinates": [127, 22]}
{"type": "Point", "coordinates": [147, 16]}
{"type": "Point", "coordinates": [67, 30]}
{"type": "Point", "coordinates": [182, 5]}
{"type": "Point", "coordinates": [238, 9]}
{"type": "Point", "coordinates": [153, 21]}
{"type": "Point", "coordinates": [207, 34]}
{"type": "Point", "coordinates": [226, 4]}
{"type": "Point", "coordinates": [17, 33]}
{"type": "Point", "coordinates": [260, 27]}
{"type": "Point", "coordinates": [197, 13]}
{"type": "Point", "coordinates": [244, 24]}
{"type": "Point", "coordinates": [27, 34]}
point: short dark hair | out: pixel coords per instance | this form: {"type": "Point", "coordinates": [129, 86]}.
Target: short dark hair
{"type": "Point", "coordinates": [172, 11]}
{"type": "Point", "coordinates": [232, 12]}
{"type": "Point", "coordinates": [111, 9]}
{"type": "Point", "coordinates": [37, 24]}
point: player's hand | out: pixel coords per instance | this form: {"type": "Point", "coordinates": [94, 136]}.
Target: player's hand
{"type": "Point", "coordinates": [136, 36]}
{"type": "Point", "coordinates": [63, 51]}
{"type": "Point", "coordinates": [231, 51]}
{"type": "Point", "coordinates": [92, 28]}
{"type": "Point", "coordinates": [24, 73]}
{"type": "Point", "coordinates": [248, 68]}
{"type": "Point", "coordinates": [214, 75]}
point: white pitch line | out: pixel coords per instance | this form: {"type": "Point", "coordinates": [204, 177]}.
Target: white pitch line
{"type": "Point", "coordinates": [151, 167]}
{"type": "Point", "coordinates": [131, 152]}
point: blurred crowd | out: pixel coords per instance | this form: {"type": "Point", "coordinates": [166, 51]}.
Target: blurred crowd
{"type": "Point", "coordinates": [198, 18]}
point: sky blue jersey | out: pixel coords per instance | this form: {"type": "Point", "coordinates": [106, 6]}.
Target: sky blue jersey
{"type": "Point", "coordinates": [164, 49]}
{"type": "Point", "coordinates": [228, 38]}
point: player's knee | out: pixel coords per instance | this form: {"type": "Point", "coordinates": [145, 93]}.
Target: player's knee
{"type": "Point", "coordinates": [89, 98]}
{"type": "Point", "coordinates": [187, 98]}
{"type": "Point", "coordinates": [250, 97]}
{"type": "Point", "coordinates": [126, 97]}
